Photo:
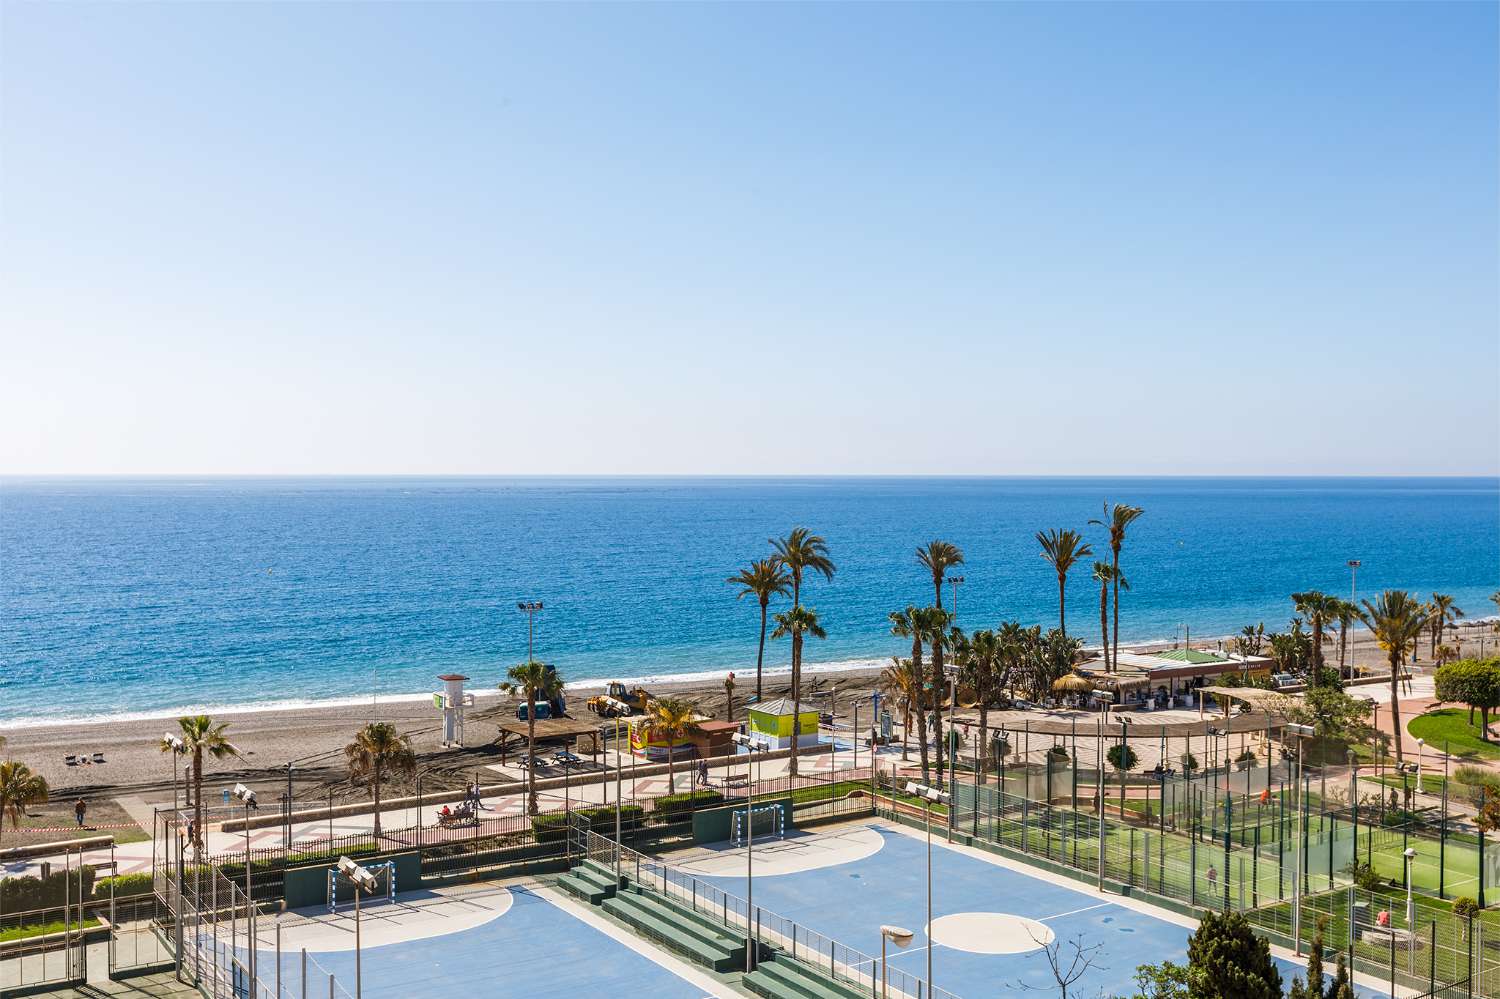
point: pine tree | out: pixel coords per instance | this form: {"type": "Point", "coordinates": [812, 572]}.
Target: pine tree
{"type": "Point", "coordinates": [1228, 961]}
{"type": "Point", "coordinates": [1342, 987]}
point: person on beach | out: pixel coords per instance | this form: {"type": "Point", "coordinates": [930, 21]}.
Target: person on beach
{"type": "Point", "coordinates": [79, 808]}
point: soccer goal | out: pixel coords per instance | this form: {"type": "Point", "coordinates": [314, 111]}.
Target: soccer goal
{"type": "Point", "coordinates": [768, 822]}
{"type": "Point", "coordinates": [341, 889]}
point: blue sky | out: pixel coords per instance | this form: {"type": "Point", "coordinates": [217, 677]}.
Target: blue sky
{"type": "Point", "coordinates": [1004, 239]}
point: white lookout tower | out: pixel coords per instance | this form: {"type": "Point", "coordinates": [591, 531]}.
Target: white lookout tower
{"type": "Point", "coordinates": [452, 700]}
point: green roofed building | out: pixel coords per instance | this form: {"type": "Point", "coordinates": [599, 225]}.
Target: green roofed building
{"type": "Point", "coordinates": [773, 721]}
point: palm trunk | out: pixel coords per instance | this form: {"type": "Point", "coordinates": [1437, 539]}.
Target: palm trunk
{"type": "Point", "coordinates": [531, 805]}
{"type": "Point", "coordinates": [939, 683]}
{"type": "Point", "coordinates": [671, 768]}
{"type": "Point", "coordinates": [760, 652]}
{"type": "Point", "coordinates": [1115, 582]}
{"type": "Point", "coordinates": [377, 800]}
{"type": "Point", "coordinates": [916, 660]}
{"type": "Point", "coordinates": [796, 700]}
{"type": "Point", "coordinates": [1104, 620]}
{"type": "Point", "coordinates": [197, 800]}
{"type": "Point", "coordinates": [1396, 703]}
{"type": "Point", "coordinates": [1062, 600]}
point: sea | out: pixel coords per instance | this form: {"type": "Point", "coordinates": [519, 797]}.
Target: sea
{"type": "Point", "coordinates": [124, 598]}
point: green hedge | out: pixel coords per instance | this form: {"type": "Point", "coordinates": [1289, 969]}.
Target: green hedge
{"type": "Point", "coordinates": [59, 887]}
{"type": "Point", "coordinates": [551, 827]}
{"type": "Point", "coordinates": [125, 886]}
{"type": "Point", "coordinates": [672, 804]}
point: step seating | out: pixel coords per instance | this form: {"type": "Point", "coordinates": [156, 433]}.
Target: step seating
{"type": "Point", "coordinates": [701, 940]}
{"type": "Point", "coordinates": [784, 977]}
{"type": "Point", "coordinates": [592, 882]}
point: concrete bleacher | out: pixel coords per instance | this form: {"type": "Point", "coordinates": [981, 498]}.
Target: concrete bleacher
{"type": "Point", "coordinates": [700, 938]}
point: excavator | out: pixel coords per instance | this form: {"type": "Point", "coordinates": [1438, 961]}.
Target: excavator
{"type": "Point", "coordinates": [618, 702]}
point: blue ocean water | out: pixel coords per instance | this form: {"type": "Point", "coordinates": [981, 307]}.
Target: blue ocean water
{"type": "Point", "coordinates": [141, 596]}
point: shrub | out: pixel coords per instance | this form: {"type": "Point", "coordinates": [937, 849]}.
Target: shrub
{"type": "Point", "coordinates": [19, 894]}
{"type": "Point", "coordinates": [1465, 907]}
{"type": "Point", "coordinates": [124, 885]}
{"type": "Point", "coordinates": [1117, 753]}
{"type": "Point", "coordinates": [669, 805]}
{"type": "Point", "coordinates": [1363, 876]}
{"type": "Point", "coordinates": [1189, 761]}
{"type": "Point", "coordinates": [1058, 753]}
{"type": "Point", "coordinates": [1246, 760]}
{"type": "Point", "coordinates": [550, 827]}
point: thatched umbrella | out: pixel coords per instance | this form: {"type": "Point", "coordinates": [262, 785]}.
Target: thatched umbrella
{"type": "Point", "coordinates": [1073, 683]}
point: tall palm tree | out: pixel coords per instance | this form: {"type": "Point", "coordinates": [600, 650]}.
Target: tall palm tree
{"type": "Point", "coordinates": [201, 736]}
{"type": "Point", "coordinates": [764, 579]}
{"type": "Point", "coordinates": [1345, 612]}
{"type": "Point", "coordinates": [672, 718]}
{"type": "Point", "coordinates": [796, 623]}
{"type": "Point", "coordinates": [378, 749]}
{"type": "Point", "coordinates": [1106, 574]}
{"type": "Point", "coordinates": [1318, 608]}
{"type": "Point", "coordinates": [904, 681]}
{"type": "Point", "coordinates": [1117, 518]}
{"type": "Point", "coordinates": [939, 557]}
{"type": "Point", "coordinates": [1062, 549]}
{"type": "Point", "coordinates": [1396, 621]}
{"type": "Point", "coordinates": [802, 551]}
{"type": "Point", "coordinates": [935, 627]}
{"type": "Point", "coordinates": [984, 661]}
{"type": "Point", "coordinates": [19, 787]}
{"type": "Point", "coordinates": [536, 682]}
{"type": "Point", "coordinates": [1444, 613]}
{"type": "Point", "coordinates": [910, 623]}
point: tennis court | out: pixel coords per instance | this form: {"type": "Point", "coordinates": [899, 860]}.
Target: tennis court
{"type": "Point", "coordinates": [992, 919]}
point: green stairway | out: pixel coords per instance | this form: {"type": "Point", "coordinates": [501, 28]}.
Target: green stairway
{"type": "Point", "coordinates": [784, 977]}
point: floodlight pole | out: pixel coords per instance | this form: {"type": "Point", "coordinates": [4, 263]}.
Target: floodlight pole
{"type": "Point", "coordinates": [358, 951]}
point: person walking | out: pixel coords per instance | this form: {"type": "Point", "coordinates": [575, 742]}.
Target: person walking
{"type": "Point", "coordinates": [80, 807]}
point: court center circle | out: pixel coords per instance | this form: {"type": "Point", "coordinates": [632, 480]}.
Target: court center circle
{"type": "Point", "coordinates": [990, 933]}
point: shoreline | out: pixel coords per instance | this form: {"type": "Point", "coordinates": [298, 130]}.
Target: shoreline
{"type": "Point", "coordinates": [584, 687]}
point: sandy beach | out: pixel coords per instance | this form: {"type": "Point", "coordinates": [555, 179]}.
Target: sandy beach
{"type": "Point", "coordinates": [312, 738]}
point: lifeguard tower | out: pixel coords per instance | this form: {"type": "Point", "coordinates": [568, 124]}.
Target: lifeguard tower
{"type": "Point", "coordinates": [452, 700]}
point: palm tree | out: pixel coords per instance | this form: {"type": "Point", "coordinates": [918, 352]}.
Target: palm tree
{"type": "Point", "coordinates": [985, 663]}
{"type": "Point", "coordinates": [377, 749]}
{"type": "Point", "coordinates": [795, 623]}
{"type": "Point", "coordinates": [936, 622]}
{"type": "Point", "coordinates": [764, 579]}
{"type": "Point", "coordinates": [939, 557]}
{"type": "Point", "coordinates": [1106, 574]}
{"type": "Point", "coordinates": [1396, 621]}
{"type": "Point", "coordinates": [672, 718]}
{"type": "Point", "coordinates": [802, 551]}
{"type": "Point", "coordinates": [1444, 613]}
{"type": "Point", "coordinates": [1345, 612]}
{"type": "Point", "coordinates": [1319, 608]}
{"type": "Point", "coordinates": [536, 682]}
{"type": "Point", "coordinates": [200, 735]}
{"type": "Point", "coordinates": [1117, 518]}
{"type": "Point", "coordinates": [19, 787]}
{"type": "Point", "coordinates": [1062, 549]}
{"type": "Point", "coordinates": [729, 697]}
{"type": "Point", "coordinates": [911, 624]}
{"type": "Point", "coordinates": [903, 680]}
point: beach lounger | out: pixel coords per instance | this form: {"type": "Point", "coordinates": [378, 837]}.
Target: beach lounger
{"type": "Point", "coordinates": [98, 757]}
{"type": "Point", "coordinates": [71, 760]}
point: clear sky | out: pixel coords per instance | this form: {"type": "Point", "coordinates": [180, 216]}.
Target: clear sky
{"type": "Point", "coordinates": [1059, 238]}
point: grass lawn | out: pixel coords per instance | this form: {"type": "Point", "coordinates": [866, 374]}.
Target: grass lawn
{"type": "Point", "coordinates": [54, 822]}
{"type": "Point", "coordinates": [1451, 726]}
{"type": "Point", "coordinates": [39, 929]}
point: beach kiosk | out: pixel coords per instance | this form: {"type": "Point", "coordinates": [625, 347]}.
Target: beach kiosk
{"type": "Point", "coordinates": [773, 721]}
{"type": "Point", "coordinates": [451, 701]}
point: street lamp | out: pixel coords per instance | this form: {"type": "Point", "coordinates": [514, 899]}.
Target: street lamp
{"type": "Point", "coordinates": [176, 747]}
{"type": "Point", "coordinates": [752, 746]}
{"type": "Point", "coordinates": [1410, 853]}
{"type": "Point", "coordinates": [901, 938]}
{"type": "Point", "coordinates": [957, 581]}
{"type": "Point", "coordinates": [247, 798]}
{"type": "Point", "coordinates": [530, 608]}
{"type": "Point", "coordinates": [928, 796]}
{"type": "Point", "coordinates": [363, 880]}
{"type": "Point", "coordinates": [1420, 744]}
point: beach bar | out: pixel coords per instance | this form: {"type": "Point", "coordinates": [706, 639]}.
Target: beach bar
{"type": "Point", "coordinates": [773, 722]}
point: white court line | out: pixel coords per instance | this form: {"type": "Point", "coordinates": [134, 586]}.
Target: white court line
{"type": "Point", "coordinates": [1087, 908]}
{"type": "Point", "coordinates": [585, 914]}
